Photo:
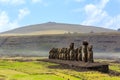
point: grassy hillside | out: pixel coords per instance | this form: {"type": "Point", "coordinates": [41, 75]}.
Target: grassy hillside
{"type": "Point", "coordinates": [40, 38]}
{"type": "Point", "coordinates": [14, 69]}
{"type": "Point", "coordinates": [34, 45]}
{"type": "Point", "coordinates": [58, 26]}
{"type": "Point", "coordinates": [45, 32]}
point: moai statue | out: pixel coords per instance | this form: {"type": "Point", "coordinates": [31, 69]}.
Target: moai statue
{"type": "Point", "coordinates": [71, 53]}
{"type": "Point", "coordinates": [90, 54]}
{"type": "Point", "coordinates": [68, 54]}
{"type": "Point", "coordinates": [60, 56]}
{"type": "Point", "coordinates": [61, 53]}
{"type": "Point", "coordinates": [65, 54]}
{"type": "Point", "coordinates": [79, 54]}
{"type": "Point", "coordinates": [53, 54]}
{"type": "Point", "coordinates": [56, 53]}
{"type": "Point", "coordinates": [59, 50]}
{"type": "Point", "coordinates": [50, 54]}
{"type": "Point", "coordinates": [75, 54]}
{"type": "Point", "coordinates": [71, 46]}
{"type": "Point", "coordinates": [85, 51]}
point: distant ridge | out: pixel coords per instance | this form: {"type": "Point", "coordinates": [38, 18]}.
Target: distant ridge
{"type": "Point", "coordinates": [58, 26]}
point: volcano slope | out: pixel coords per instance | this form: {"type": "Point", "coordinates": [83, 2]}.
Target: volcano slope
{"type": "Point", "coordinates": [38, 39]}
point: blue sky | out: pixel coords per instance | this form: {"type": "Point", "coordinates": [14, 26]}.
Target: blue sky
{"type": "Point", "coordinates": [18, 13]}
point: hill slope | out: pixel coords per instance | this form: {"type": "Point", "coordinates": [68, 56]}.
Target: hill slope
{"type": "Point", "coordinates": [52, 26]}
{"type": "Point", "coordinates": [39, 45]}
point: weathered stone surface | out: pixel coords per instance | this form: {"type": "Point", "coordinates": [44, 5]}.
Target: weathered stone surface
{"type": "Point", "coordinates": [83, 53]}
{"type": "Point", "coordinates": [102, 67]}
{"type": "Point", "coordinates": [90, 54]}
{"type": "Point", "coordinates": [71, 47]}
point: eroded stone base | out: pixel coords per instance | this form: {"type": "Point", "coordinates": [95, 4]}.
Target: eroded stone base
{"type": "Point", "coordinates": [102, 67]}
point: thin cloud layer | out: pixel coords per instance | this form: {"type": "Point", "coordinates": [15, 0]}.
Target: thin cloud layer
{"type": "Point", "coordinates": [37, 1]}
{"type": "Point", "coordinates": [12, 2]}
{"type": "Point", "coordinates": [96, 15]}
{"type": "Point", "coordinates": [22, 13]}
{"type": "Point", "coordinates": [6, 23]}
{"type": "Point", "coordinates": [16, 13]}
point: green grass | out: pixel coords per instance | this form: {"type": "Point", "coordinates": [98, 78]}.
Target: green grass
{"type": "Point", "coordinates": [115, 67]}
{"type": "Point", "coordinates": [38, 70]}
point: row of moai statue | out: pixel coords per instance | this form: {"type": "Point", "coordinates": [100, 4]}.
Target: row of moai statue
{"type": "Point", "coordinates": [83, 53]}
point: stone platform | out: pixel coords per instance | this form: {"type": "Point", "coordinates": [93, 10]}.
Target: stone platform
{"type": "Point", "coordinates": [102, 67]}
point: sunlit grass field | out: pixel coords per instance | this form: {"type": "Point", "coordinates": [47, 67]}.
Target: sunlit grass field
{"type": "Point", "coordinates": [38, 70]}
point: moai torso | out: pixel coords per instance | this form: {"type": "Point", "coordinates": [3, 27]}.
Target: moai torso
{"type": "Point", "coordinates": [79, 55]}
{"type": "Point", "coordinates": [84, 51]}
{"type": "Point", "coordinates": [90, 53]}
{"type": "Point", "coordinates": [60, 53]}
{"type": "Point", "coordinates": [50, 53]}
{"type": "Point", "coordinates": [71, 46]}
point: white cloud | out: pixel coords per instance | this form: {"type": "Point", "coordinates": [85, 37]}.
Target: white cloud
{"type": "Point", "coordinates": [4, 1]}
{"type": "Point", "coordinates": [94, 14]}
{"type": "Point", "coordinates": [78, 0]}
{"type": "Point", "coordinates": [113, 22]}
{"type": "Point", "coordinates": [7, 24]}
{"type": "Point", "coordinates": [12, 2]}
{"type": "Point", "coordinates": [37, 1]}
{"type": "Point", "coordinates": [22, 13]}
{"type": "Point", "coordinates": [42, 2]}
{"type": "Point", "coordinates": [4, 19]}
{"type": "Point", "coordinates": [97, 16]}
{"type": "Point", "coordinates": [17, 2]}
{"type": "Point", "coordinates": [71, 1]}
{"type": "Point", "coordinates": [103, 3]}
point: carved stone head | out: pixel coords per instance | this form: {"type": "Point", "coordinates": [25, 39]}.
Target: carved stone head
{"type": "Point", "coordinates": [85, 43]}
